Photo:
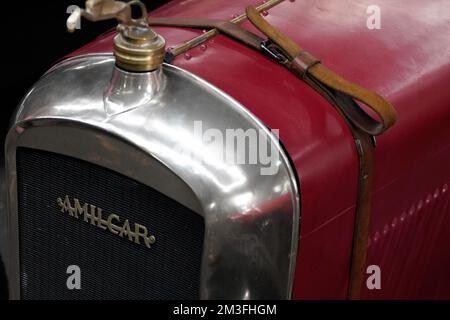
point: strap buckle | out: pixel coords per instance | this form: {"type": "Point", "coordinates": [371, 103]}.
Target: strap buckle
{"type": "Point", "coordinates": [273, 51]}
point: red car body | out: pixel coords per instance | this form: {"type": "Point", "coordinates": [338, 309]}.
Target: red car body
{"type": "Point", "coordinates": [408, 62]}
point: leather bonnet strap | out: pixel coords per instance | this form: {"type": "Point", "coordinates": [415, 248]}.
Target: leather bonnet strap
{"type": "Point", "coordinates": [228, 28]}
{"type": "Point", "coordinates": [305, 65]}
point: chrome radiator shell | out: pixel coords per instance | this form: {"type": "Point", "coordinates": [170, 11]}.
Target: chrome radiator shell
{"type": "Point", "coordinates": [155, 145]}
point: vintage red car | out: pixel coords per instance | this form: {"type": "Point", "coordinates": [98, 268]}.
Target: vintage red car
{"type": "Point", "coordinates": [241, 167]}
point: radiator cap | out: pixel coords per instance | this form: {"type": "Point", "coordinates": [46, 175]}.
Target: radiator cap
{"type": "Point", "coordinates": [137, 47]}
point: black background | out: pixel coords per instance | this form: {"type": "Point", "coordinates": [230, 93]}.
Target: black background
{"type": "Point", "coordinates": [34, 37]}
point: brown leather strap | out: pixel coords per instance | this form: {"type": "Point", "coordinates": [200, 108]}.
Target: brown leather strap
{"type": "Point", "coordinates": [230, 29]}
{"type": "Point", "coordinates": [303, 64]}
{"type": "Point", "coordinates": [328, 78]}
{"type": "Point", "coordinates": [341, 94]}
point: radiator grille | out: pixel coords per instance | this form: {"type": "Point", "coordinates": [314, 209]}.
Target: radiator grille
{"type": "Point", "coordinates": [111, 267]}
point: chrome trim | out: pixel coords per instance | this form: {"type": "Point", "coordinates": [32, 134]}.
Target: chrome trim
{"type": "Point", "coordinates": [67, 60]}
{"type": "Point", "coordinates": [250, 248]}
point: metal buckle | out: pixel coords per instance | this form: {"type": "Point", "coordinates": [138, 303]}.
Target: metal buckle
{"type": "Point", "coordinates": [274, 52]}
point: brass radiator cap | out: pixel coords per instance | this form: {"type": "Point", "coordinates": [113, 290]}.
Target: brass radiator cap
{"type": "Point", "coordinates": [137, 47]}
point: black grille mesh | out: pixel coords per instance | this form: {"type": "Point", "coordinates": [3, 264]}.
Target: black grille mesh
{"type": "Point", "coordinates": [111, 267]}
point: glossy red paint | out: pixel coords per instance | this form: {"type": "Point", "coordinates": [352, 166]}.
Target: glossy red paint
{"type": "Point", "coordinates": [407, 61]}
